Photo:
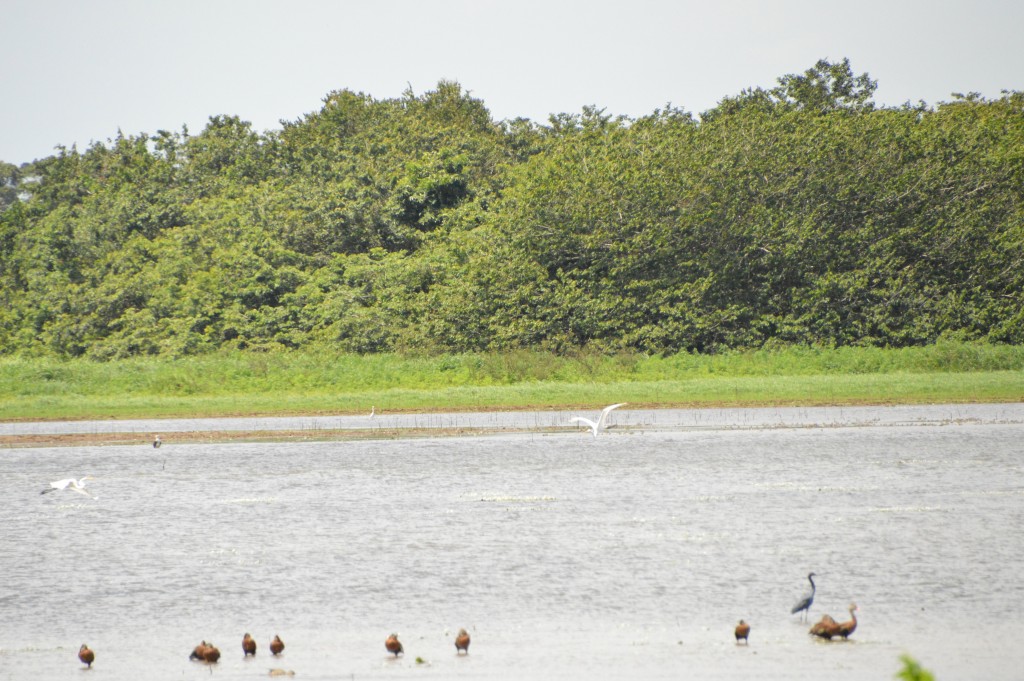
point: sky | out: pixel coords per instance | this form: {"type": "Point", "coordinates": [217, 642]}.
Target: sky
{"type": "Point", "coordinates": [78, 71]}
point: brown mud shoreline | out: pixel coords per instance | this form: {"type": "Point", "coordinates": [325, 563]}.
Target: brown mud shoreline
{"type": "Point", "coordinates": [195, 437]}
{"type": "Point", "coordinates": [412, 425]}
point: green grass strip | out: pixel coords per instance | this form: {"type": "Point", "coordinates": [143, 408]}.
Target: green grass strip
{"type": "Point", "coordinates": [332, 383]}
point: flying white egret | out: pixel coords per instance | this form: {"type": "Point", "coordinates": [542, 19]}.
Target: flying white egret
{"type": "Point", "coordinates": [70, 483]}
{"type": "Point", "coordinates": [599, 425]}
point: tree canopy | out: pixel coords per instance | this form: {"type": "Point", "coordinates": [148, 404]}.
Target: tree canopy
{"type": "Point", "coordinates": [804, 214]}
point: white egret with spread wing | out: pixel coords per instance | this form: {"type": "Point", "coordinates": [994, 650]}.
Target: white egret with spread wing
{"type": "Point", "coordinates": [70, 483]}
{"type": "Point", "coordinates": [600, 424]}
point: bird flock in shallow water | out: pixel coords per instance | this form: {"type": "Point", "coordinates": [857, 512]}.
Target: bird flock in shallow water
{"type": "Point", "coordinates": [826, 628]}
{"type": "Point", "coordinates": [210, 654]}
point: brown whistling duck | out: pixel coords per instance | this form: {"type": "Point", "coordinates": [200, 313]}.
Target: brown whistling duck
{"type": "Point", "coordinates": [393, 645]}
{"type": "Point", "coordinates": [248, 645]}
{"type": "Point", "coordinates": [199, 651]}
{"type": "Point", "coordinates": [211, 654]}
{"type": "Point", "coordinates": [844, 629]}
{"type": "Point", "coordinates": [462, 642]}
{"type": "Point", "coordinates": [742, 632]}
{"type": "Point", "coordinates": [86, 655]}
{"type": "Point", "coordinates": [825, 628]}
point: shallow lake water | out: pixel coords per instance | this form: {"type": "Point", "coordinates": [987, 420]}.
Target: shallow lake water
{"type": "Point", "coordinates": [627, 556]}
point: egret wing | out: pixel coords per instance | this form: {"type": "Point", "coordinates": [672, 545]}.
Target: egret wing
{"type": "Point", "coordinates": [607, 410]}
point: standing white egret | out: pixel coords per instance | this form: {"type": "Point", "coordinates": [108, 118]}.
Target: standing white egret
{"type": "Point", "coordinates": [373, 411]}
{"type": "Point", "coordinates": [70, 483]}
{"type": "Point", "coordinates": [599, 425]}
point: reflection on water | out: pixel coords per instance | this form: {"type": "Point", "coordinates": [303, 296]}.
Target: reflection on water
{"type": "Point", "coordinates": [631, 555]}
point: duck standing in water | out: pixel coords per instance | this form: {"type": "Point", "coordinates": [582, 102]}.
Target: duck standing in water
{"type": "Point", "coordinates": [743, 632]}
{"type": "Point", "coordinates": [393, 645]}
{"type": "Point", "coordinates": [211, 654]}
{"type": "Point", "coordinates": [276, 646]}
{"type": "Point", "coordinates": [462, 642]}
{"type": "Point", "coordinates": [205, 652]}
{"type": "Point", "coordinates": [248, 646]}
{"type": "Point", "coordinates": [844, 629]}
{"type": "Point", "coordinates": [825, 628]}
{"type": "Point", "coordinates": [86, 655]}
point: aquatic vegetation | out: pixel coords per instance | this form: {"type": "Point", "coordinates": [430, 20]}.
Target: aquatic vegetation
{"type": "Point", "coordinates": [913, 671]}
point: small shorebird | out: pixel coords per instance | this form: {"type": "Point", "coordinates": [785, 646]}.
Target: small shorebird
{"type": "Point", "coordinates": [276, 646]}
{"type": "Point", "coordinates": [248, 645]}
{"type": "Point", "coordinates": [86, 655]}
{"type": "Point", "coordinates": [393, 645]}
{"type": "Point", "coordinates": [157, 442]}
{"type": "Point", "coordinates": [743, 632]}
{"type": "Point", "coordinates": [462, 642]}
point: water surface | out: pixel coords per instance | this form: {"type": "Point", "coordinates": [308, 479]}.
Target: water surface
{"type": "Point", "coordinates": [627, 556]}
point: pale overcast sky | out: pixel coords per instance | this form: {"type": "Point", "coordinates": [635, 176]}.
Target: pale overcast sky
{"type": "Point", "coordinates": [76, 71]}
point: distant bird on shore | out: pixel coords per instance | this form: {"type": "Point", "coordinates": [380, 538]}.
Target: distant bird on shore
{"type": "Point", "coordinates": [393, 645]}
{"type": "Point", "coordinates": [157, 442]}
{"type": "Point", "coordinates": [743, 632]}
{"type": "Point", "coordinates": [373, 412]}
{"type": "Point", "coordinates": [599, 425]}
{"type": "Point", "coordinates": [86, 655]}
{"type": "Point", "coordinates": [276, 646]}
{"type": "Point", "coordinates": [462, 642]}
{"type": "Point", "coordinates": [804, 604]}
{"type": "Point", "coordinates": [844, 629]}
{"type": "Point", "coordinates": [70, 483]}
{"type": "Point", "coordinates": [248, 645]}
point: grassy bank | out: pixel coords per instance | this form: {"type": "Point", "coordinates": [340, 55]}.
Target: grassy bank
{"type": "Point", "coordinates": [327, 382]}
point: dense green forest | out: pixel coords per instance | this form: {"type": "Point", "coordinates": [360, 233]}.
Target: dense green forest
{"type": "Point", "coordinates": [801, 214]}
